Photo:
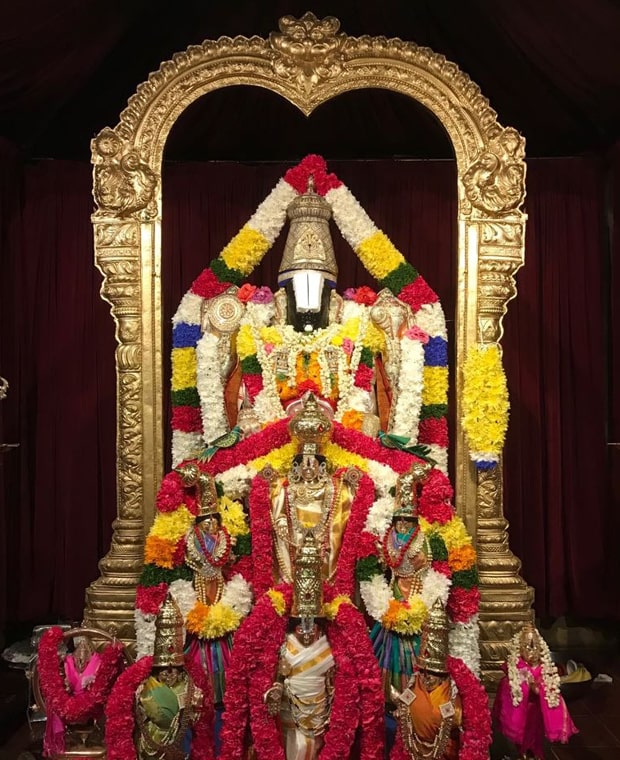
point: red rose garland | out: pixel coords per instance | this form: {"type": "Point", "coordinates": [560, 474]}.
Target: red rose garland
{"type": "Point", "coordinates": [120, 713]}
{"type": "Point", "coordinates": [75, 708]}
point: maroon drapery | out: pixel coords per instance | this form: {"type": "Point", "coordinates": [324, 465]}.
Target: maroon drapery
{"type": "Point", "coordinates": [57, 350]}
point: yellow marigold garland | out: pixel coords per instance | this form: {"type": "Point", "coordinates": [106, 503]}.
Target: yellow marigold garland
{"type": "Point", "coordinates": [330, 609]}
{"type": "Point", "coordinates": [245, 250]}
{"type": "Point", "coordinates": [379, 255]}
{"type": "Point", "coordinates": [234, 518]}
{"type": "Point", "coordinates": [406, 618]}
{"type": "Point", "coordinates": [485, 403]}
{"type": "Point", "coordinates": [212, 621]}
{"type": "Point", "coordinates": [277, 600]}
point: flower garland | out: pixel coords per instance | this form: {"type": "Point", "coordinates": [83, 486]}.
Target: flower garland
{"type": "Point", "coordinates": [120, 713]}
{"type": "Point", "coordinates": [550, 675]}
{"type": "Point", "coordinates": [476, 736]}
{"type": "Point", "coordinates": [75, 708]}
{"type": "Point", "coordinates": [485, 404]}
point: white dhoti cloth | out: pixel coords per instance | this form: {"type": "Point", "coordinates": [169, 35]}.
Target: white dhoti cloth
{"type": "Point", "coordinates": [305, 709]}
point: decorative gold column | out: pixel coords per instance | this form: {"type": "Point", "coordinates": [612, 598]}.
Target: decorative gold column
{"type": "Point", "coordinates": [125, 191]}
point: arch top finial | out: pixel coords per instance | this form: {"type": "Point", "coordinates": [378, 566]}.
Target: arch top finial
{"type": "Point", "coordinates": [307, 50]}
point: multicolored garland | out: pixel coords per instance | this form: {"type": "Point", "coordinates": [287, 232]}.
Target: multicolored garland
{"type": "Point", "coordinates": [121, 720]}
{"type": "Point", "coordinates": [199, 416]}
{"type": "Point", "coordinates": [485, 404]}
{"type": "Point", "coordinates": [75, 709]}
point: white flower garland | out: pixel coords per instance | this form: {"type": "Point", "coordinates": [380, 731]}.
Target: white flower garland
{"type": "Point", "coordinates": [351, 219]}
{"type": "Point", "coordinates": [183, 593]}
{"type": "Point", "coordinates": [270, 216]}
{"type": "Point", "coordinates": [210, 389]}
{"type": "Point", "coordinates": [383, 476]}
{"type": "Point", "coordinates": [377, 594]}
{"type": "Point", "coordinates": [145, 634]}
{"type": "Point", "coordinates": [189, 311]}
{"type": "Point", "coordinates": [379, 516]}
{"type": "Point", "coordinates": [235, 482]}
{"type": "Point", "coordinates": [439, 454]}
{"type": "Point", "coordinates": [409, 389]}
{"type": "Point", "coordinates": [237, 595]}
{"type": "Point", "coordinates": [185, 446]}
{"type": "Point", "coordinates": [550, 676]}
{"type": "Point", "coordinates": [463, 643]}
{"type": "Point", "coordinates": [431, 319]}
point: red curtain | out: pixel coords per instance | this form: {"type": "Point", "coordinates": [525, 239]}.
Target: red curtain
{"type": "Point", "coordinates": [57, 350]}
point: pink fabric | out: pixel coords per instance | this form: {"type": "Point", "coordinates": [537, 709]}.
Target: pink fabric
{"type": "Point", "coordinates": [532, 719]}
{"type": "Point", "coordinates": [54, 739]}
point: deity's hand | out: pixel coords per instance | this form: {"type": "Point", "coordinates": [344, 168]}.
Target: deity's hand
{"type": "Point", "coordinates": [273, 699]}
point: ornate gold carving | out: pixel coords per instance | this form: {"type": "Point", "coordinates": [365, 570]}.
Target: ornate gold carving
{"type": "Point", "coordinates": [224, 313]}
{"type": "Point", "coordinates": [308, 62]}
{"type": "Point", "coordinates": [307, 50]}
{"type": "Point", "coordinates": [124, 185]}
{"type": "Point", "coordinates": [495, 181]}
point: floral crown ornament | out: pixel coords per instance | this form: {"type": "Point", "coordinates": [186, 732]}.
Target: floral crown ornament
{"type": "Point", "coordinates": [309, 242]}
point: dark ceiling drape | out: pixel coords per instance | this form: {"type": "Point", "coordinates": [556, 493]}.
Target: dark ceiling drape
{"type": "Point", "coordinates": [57, 350]}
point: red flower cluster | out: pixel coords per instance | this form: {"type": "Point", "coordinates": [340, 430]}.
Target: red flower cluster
{"type": "Point", "coordinates": [476, 736]}
{"type": "Point", "coordinates": [463, 603]}
{"type": "Point", "coordinates": [171, 493]}
{"type": "Point", "coordinates": [253, 385]}
{"type": "Point", "coordinates": [257, 445]}
{"type": "Point", "coordinates": [363, 377]}
{"type": "Point", "coordinates": [435, 498]}
{"type": "Point", "coordinates": [314, 165]}
{"type": "Point", "coordinates": [188, 419]}
{"type": "Point", "coordinates": [365, 295]}
{"type": "Point", "coordinates": [149, 599]}
{"type": "Point", "coordinates": [207, 285]}
{"type": "Point", "coordinates": [246, 291]}
{"type": "Point", "coordinates": [75, 708]}
{"type": "Point", "coordinates": [433, 430]}
{"type": "Point", "coordinates": [362, 445]}
{"type": "Point", "coordinates": [417, 293]}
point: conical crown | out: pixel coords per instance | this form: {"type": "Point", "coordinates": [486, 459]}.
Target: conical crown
{"type": "Point", "coordinates": [310, 427]}
{"type": "Point", "coordinates": [309, 243]}
{"type": "Point", "coordinates": [169, 635]}
{"type": "Point", "coordinates": [434, 644]}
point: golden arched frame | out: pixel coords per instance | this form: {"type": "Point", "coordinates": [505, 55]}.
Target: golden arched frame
{"type": "Point", "coordinates": [307, 62]}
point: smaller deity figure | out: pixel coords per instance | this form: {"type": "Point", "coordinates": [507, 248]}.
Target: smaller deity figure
{"type": "Point", "coordinates": [208, 550]}
{"type": "Point", "coordinates": [310, 500]}
{"type": "Point", "coordinates": [529, 706]}
{"type": "Point", "coordinates": [303, 692]}
{"type": "Point", "coordinates": [429, 710]}
{"type": "Point", "coordinates": [208, 543]}
{"type": "Point", "coordinates": [169, 702]}
{"type": "Point", "coordinates": [406, 554]}
{"type": "Point", "coordinates": [80, 668]}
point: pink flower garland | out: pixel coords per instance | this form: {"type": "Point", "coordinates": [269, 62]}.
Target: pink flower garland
{"type": "Point", "coordinates": [120, 713]}
{"type": "Point", "coordinates": [476, 737]}
{"type": "Point", "coordinates": [75, 708]}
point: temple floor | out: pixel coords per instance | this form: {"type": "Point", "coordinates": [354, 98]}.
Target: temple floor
{"type": "Point", "coordinates": [596, 712]}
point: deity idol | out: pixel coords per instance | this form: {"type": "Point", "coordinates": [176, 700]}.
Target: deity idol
{"type": "Point", "coordinates": [310, 410]}
{"type": "Point", "coordinates": [529, 706]}
{"type": "Point", "coordinates": [429, 709]}
{"type": "Point", "coordinates": [167, 697]}
{"type": "Point", "coordinates": [405, 552]}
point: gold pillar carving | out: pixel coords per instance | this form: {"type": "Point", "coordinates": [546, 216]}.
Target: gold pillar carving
{"type": "Point", "coordinates": [308, 62]}
{"type": "Point", "coordinates": [506, 599]}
